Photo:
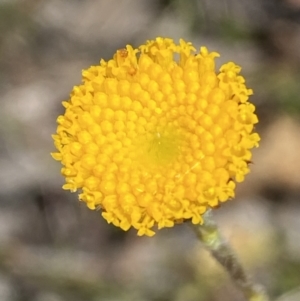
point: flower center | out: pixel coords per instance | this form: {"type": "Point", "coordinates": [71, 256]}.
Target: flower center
{"type": "Point", "coordinates": [159, 148]}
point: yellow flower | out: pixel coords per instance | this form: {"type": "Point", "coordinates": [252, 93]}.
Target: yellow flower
{"type": "Point", "coordinates": [155, 136]}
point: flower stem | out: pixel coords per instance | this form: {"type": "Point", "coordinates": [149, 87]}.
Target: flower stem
{"type": "Point", "coordinates": [209, 235]}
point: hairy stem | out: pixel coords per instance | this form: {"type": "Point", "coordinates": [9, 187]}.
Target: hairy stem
{"type": "Point", "coordinates": [209, 235]}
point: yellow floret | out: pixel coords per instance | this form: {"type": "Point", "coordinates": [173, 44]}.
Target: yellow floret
{"type": "Point", "coordinates": [155, 136]}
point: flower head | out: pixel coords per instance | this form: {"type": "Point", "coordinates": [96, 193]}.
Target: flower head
{"type": "Point", "coordinates": [155, 136]}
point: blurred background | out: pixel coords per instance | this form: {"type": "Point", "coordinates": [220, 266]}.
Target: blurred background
{"type": "Point", "coordinates": [52, 248]}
